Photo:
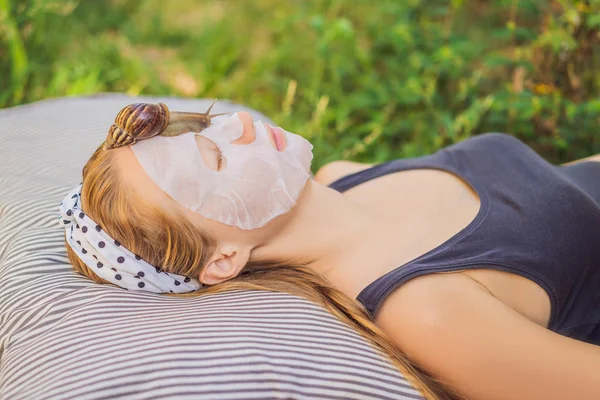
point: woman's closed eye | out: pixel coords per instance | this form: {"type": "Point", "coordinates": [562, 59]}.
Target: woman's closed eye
{"type": "Point", "coordinates": [220, 158]}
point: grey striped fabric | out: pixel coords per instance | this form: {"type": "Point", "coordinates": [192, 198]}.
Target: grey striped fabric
{"type": "Point", "coordinates": [65, 337]}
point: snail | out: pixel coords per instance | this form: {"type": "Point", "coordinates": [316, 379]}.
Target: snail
{"type": "Point", "coordinates": [142, 121]}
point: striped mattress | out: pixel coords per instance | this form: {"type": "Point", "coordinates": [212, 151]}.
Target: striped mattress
{"type": "Point", "coordinates": [65, 337]}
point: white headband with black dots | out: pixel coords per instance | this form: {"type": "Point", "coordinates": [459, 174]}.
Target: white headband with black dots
{"type": "Point", "coordinates": [109, 259]}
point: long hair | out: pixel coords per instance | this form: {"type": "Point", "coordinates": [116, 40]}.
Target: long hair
{"type": "Point", "coordinates": [170, 241]}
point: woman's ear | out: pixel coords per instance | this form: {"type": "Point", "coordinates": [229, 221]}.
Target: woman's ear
{"type": "Point", "coordinates": [226, 263]}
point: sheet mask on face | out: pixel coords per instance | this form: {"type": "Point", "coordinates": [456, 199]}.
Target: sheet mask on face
{"type": "Point", "coordinates": [255, 184]}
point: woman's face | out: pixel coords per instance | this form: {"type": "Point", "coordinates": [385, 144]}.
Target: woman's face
{"type": "Point", "coordinates": [216, 159]}
{"type": "Point", "coordinates": [237, 171]}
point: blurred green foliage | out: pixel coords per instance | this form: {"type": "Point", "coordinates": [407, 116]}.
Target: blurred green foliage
{"type": "Point", "coordinates": [363, 80]}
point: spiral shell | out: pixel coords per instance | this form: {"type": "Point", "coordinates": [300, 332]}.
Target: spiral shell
{"type": "Point", "coordinates": [136, 122]}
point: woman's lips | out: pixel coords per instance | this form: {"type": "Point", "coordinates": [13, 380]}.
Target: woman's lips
{"type": "Point", "coordinates": [278, 137]}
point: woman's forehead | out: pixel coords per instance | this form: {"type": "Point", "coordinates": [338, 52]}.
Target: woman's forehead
{"type": "Point", "coordinates": [134, 177]}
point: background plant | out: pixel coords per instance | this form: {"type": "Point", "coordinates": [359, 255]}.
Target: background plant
{"type": "Point", "coordinates": [363, 80]}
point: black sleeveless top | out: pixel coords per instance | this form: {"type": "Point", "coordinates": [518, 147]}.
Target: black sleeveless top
{"type": "Point", "coordinates": [536, 220]}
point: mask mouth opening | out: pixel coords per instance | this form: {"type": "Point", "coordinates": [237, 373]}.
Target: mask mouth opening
{"type": "Point", "coordinates": [211, 154]}
{"type": "Point", "coordinates": [277, 136]}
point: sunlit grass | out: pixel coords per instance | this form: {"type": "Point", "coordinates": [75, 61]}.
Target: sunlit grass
{"type": "Point", "coordinates": [362, 80]}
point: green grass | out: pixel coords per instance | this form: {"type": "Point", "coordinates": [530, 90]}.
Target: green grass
{"type": "Point", "coordinates": [363, 80]}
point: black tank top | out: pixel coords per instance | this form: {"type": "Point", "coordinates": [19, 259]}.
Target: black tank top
{"type": "Point", "coordinates": [536, 220]}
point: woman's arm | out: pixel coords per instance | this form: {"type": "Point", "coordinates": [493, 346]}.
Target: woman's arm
{"type": "Point", "coordinates": [459, 332]}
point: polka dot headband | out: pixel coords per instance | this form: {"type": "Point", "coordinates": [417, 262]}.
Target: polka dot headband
{"type": "Point", "coordinates": [109, 259]}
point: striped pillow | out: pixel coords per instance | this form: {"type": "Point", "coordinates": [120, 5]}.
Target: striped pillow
{"type": "Point", "coordinates": [65, 337]}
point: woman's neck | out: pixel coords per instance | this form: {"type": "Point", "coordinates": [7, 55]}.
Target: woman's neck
{"type": "Point", "coordinates": [326, 231]}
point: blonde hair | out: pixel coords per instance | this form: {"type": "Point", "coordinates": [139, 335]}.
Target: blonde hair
{"type": "Point", "coordinates": [170, 241]}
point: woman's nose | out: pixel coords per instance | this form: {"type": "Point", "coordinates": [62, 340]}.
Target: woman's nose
{"type": "Point", "coordinates": [248, 135]}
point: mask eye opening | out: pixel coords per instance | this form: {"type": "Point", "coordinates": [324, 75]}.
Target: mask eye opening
{"type": "Point", "coordinates": [211, 154]}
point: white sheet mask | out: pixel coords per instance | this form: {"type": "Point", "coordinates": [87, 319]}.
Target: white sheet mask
{"type": "Point", "coordinates": [256, 183]}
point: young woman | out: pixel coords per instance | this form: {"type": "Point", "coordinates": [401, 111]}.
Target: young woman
{"type": "Point", "coordinates": [479, 264]}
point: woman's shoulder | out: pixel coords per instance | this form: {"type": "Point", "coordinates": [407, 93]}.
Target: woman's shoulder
{"type": "Point", "coordinates": [335, 170]}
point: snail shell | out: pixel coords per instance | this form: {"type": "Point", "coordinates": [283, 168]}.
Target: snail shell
{"type": "Point", "coordinates": [137, 122]}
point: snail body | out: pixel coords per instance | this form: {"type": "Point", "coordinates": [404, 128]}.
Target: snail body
{"type": "Point", "coordinates": [142, 121]}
